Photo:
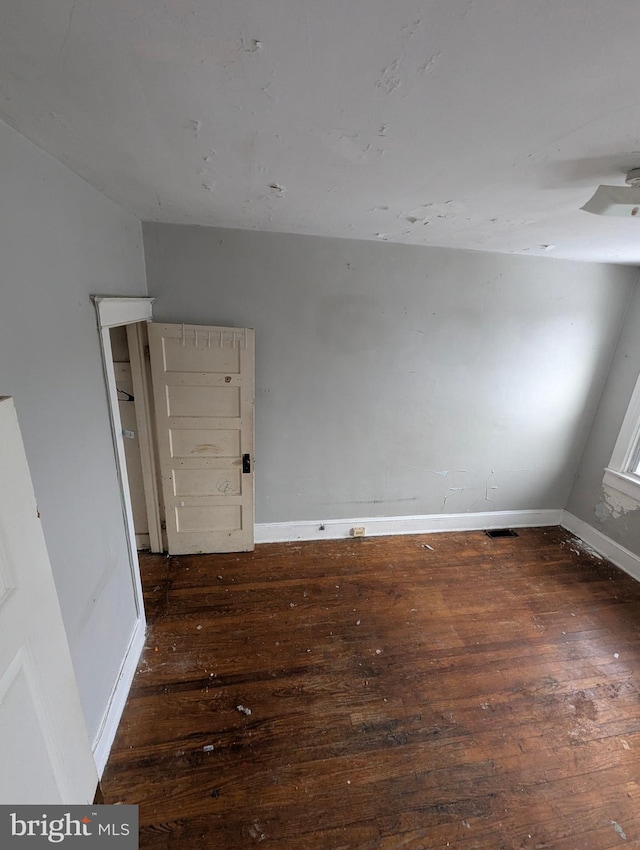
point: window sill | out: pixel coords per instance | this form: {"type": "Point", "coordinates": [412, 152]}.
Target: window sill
{"type": "Point", "coordinates": [623, 482]}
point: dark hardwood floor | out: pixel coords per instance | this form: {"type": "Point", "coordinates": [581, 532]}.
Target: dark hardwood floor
{"type": "Point", "coordinates": [415, 692]}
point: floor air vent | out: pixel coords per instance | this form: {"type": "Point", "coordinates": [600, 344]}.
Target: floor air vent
{"type": "Point", "coordinates": [501, 532]}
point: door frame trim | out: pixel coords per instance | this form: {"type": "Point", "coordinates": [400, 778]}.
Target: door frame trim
{"type": "Point", "coordinates": [143, 394]}
{"type": "Point", "coordinates": [112, 312]}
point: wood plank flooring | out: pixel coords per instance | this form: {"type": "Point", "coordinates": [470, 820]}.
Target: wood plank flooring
{"type": "Point", "coordinates": [417, 692]}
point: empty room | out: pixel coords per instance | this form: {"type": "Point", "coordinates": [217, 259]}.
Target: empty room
{"type": "Point", "coordinates": [320, 413]}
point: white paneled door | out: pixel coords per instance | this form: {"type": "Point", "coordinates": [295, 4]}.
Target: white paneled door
{"type": "Point", "coordinates": [203, 386]}
{"type": "Point", "coordinates": [44, 748]}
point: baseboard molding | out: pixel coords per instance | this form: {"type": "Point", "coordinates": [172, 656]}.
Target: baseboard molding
{"type": "Point", "coordinates": [109, 726]}
{"type": "Point", "coordinates": [333, 529]}
{"type": "Point", "coordinates": [602, 544]}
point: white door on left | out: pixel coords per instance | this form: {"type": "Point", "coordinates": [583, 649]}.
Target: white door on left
{"type": "Point", "coordinates": [203, 385]}
{"type": "Point", "coordinates": [45, 754]}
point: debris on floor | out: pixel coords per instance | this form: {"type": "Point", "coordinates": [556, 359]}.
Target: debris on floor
{"type": "Point", "coordinates": [619, 830]}
{"type": "Point", "coordinates": [243, 710]}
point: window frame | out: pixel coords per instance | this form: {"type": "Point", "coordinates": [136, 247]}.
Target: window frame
{"type": "Point", "coordinates": [623, 472]}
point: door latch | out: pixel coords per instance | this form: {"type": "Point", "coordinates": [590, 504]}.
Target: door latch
{"type": "Point", "coordinates": [246, 463]}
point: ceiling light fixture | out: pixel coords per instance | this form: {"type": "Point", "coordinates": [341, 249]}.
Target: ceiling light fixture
{"type": "Point", "coordinates": [617, 200]}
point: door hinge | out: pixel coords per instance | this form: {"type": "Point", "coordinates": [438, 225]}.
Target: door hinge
{"type": "Point", "coordinates": [147, 352]}
{"type": "Point", "coordinates": [163, 525]}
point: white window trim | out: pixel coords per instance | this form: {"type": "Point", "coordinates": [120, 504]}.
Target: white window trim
{"type": "Point", "coordinates": [618, 474]}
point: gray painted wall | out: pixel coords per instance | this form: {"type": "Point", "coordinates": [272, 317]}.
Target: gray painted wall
{"type": "Point", "coordinates": [399, 380]}
{"type": "Point", "coordinates": [587, 500]}
{"type": "Point", "coordinates": [60, 241]}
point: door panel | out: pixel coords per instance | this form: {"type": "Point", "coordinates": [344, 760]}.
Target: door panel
{"type": "Point", "coordinates": [203, 386]}
{"type": "Point", "coordinates": [44, 749]}
{"type": "Point", "coordinates": [197, 443]}
{"type": "Point", "coordinates": [203, 357]}
{"type": "Point", "coordinates": [201, 400]}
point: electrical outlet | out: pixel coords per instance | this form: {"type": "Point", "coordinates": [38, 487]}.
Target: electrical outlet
{"type": "Point", "coordinates": [358, 531]}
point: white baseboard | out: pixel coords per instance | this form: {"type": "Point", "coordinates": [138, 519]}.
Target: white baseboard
{"type": "Point", "coordinates": [602, 544]}
{"type": "Point", "coordinates": [111, 719]}
{"type": "Point", "coordinates": [333, 529]}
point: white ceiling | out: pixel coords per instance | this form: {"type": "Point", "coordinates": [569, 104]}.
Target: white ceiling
{"type": "Point", "coordinates": [481, 124]}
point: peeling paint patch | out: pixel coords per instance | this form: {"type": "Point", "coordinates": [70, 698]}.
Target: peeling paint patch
{"type": "Point", "coordinates": [253, 45]}
{"type": "Point", "coordinates": [430, 64]}
{"type": "Point", "coordinates": [351, 147]}
{"type": "Point", "coordinates": [277, 189]}
{"type": "Point", "coordinates": [409, 30]}
{"type": "Point", "coordinates": [602, 512]}
{"type": "Point", "coordinates": [614, 505]}
{"type": "Point", "coordinates": [389, 78]}
{"type": "Point", "coordinates": [194, 125]}
{"type": "Point", "coordinates": [426, 213]}
{"type": "Point", "coordinates": [417, 219]}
